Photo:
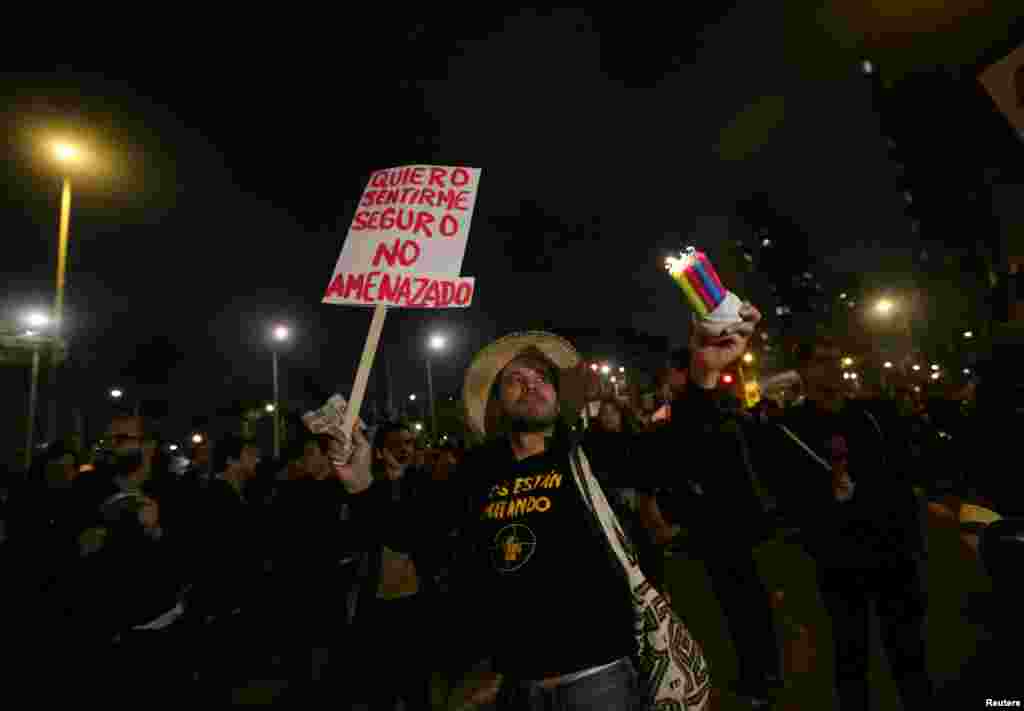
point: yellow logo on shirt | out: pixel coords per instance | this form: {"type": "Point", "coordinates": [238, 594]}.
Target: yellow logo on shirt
{"type": "Point", "coordinates": [513, 547]}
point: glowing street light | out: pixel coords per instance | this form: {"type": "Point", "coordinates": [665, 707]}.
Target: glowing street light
{"type": "Point", "coordinates": [916, 368]}
{"type": "Point", "coordinates": [934, 367]}
{"type": "Point", "coordinates": [594, 367]}
{"type": "Point", "coordinates": [968, 334]}
{"type": "Point", "coordinates": [37, 320]}
{"type": "Point", "coordinates": [884, 307]}
{"type": "Point", "coordinates": [281, 333]}
{"type": "Point", "coordinates": [197, 438]}
{"type": "Point", "coordinates": [936, 376]}
{"type": "Point", "coordinates": [967, 371]}
{"type": "Point", "coordinates": [412, 398]}
{"type": "Point", "coordinates": [622, 369]}
{"type": "Point", "coordinates": [888, 364]}
{"type": "Point", "coordinates": [605, 369]}
{"type": "Point", "coordinates": [66, 152]}
{"type": "Point", "coordinates": [846, 376]}
{"type": "Point", "coordinates": [117, 393]}
{"type": "Point", "coordinates": [437, 344]}
{"type": "Point", "coordinates": [847, 362]}
{"type": "Point", "coordinates": [173, 448]}
{"type": "Point", "coordinates": [748, 358]}
{"type": "Point", "coordinates": [853, 376]}
{"type": "Point", "coordinates": [614, 380]}
{"type": "Point", "coordinates": [419, 426]}
{"type": "Point", "coordinates": [270, 407]}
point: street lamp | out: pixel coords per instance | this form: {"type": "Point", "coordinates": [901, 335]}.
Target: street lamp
{"type": "Point", "coordinates": [916, 368]}
{"type": "Point", "coordinates": [270, 408]}
{"type": "Point", "coordinates": [968, 334]}
{"type": "Point", "coordinates": [419, 426]}
{"type": "Point", "coordinates": [67, 155]}
{"type": "Point", "coordinates": [967, 371]}
{"type": "Point", "coordinates": [888, 364]}
{"type": "Point", "coordinates": [412, 398]}
{"type": "Point", "coordinates": [437, 344]}
{"type": "Point", "coordinates": [622, 369]}
{"type": "Point", "coordinates": [884, 307]}
{"type": "Point", "coordinates": [117, 393]}
{"type": "Point", "coordinates": [605, 369]}
{"type": "Point", "coordinates": [748, 358]}
{"type": "Point", "coordinates": [594, 367]}
{"type": "Point", "coordinates": [281, 335]}
{"type": "Point", "coordinates": [34, 320]}
{"type": "Point", "coordinates": [847, 362]}
{"type": "Point", "coordinates": [173, 448]}
{"type": "Point", "coordinates": [197, 438]}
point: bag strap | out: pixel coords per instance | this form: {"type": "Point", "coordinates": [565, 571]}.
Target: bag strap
{"type": "Point", "coordinates": [586, 481]}
{"type": "Point", "coordinates": [807, 449]}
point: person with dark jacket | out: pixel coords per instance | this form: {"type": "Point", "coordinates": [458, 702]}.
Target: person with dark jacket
{"type": "Point", "coordinates": [396, 590]}
{"type": "Point", "coordinates": [717, 500]}
{"type": "Point", "coordinates": [859, 520]}
{"type": "Point", "coordinates": [128, 583]}
{"type": "Point", "coordinates": [312, 556]}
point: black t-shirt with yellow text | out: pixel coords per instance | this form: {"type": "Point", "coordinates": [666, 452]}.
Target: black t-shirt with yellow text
{"type": "Point", "coordinates": [555, 604]}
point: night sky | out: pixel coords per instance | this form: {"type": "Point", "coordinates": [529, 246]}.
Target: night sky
{"type": "Point", "coordinates": [229, 175]}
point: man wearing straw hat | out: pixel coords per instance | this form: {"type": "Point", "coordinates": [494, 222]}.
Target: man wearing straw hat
{"type": "Point", "coordinates": [515, 393]}
{"type": "Point", "coordinates": [543, 593]}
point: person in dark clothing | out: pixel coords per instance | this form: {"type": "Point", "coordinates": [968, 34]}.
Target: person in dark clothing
{"type": "Point", "coordinates": [609, 441]}
{"type": "Point", "coordinates": [228, 574]}
{"type": "Point", "coordinates": [395, 597]}
{"type": "Point", "coordinates": [709, 494]}
{"type": "Point", "coordinates": [860, 522]}
{"type": "Point", "coordinates": [312, 553]}
{"type": "Point", "coordinates": [528, 526]}
{"type": "Point", "coordinates": [128, 583]}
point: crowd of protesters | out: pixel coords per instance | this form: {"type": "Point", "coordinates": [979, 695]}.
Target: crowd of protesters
{"type": "Point", "coordinates": [124, 577]}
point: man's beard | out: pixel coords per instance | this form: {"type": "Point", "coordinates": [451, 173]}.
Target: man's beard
{"type": "Point", "coordinates": [532, 423]}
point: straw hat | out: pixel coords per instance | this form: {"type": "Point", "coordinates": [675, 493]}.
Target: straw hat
{"type": "Point", "coordinates": [482, 412]}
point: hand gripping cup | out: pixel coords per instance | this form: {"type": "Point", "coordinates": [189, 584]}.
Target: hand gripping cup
{"type": "Point", "coordinates": [716, 309]}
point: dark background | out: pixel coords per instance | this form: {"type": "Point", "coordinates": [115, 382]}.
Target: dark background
{"type": "Point", "coordinates": [229, 159]}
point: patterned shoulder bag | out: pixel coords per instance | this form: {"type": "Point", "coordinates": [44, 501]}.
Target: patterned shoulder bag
{"type": "Point", "coordinates": [672, 665]}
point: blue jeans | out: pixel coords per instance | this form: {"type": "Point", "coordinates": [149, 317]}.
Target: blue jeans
{"type": "Point", "coordinates": [615, 689]}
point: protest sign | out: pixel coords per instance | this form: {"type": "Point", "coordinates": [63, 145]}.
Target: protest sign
{"type": "Point", "coordinates": [404, 249]}
{"type": "Point", "coordinates": [407, 240]}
